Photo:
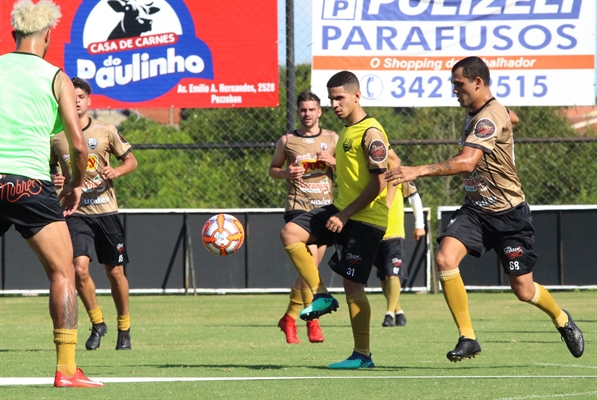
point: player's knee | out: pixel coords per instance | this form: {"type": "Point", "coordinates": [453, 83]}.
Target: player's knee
{"type": "Point", "coordinates": [116, 272]}
{"type": "Point", "coordinates": [287, 235]}
{"type": "Point", "coordinates": [81, 272]}
{"type": "Point", "coordinates": [443, 261]}
{"type": "Point", "coordinates": [524, 293]}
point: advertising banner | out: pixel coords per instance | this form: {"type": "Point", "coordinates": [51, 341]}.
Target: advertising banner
{"type": "Point", "coordinates": [166, 53]}
{"type": "Point", "coordinates": [539, 52]}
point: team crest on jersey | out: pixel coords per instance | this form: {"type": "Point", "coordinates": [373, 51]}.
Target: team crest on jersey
{"type": "Point", "coordinates": [347, 145]}
{"type": "Point", "coordinates": [378, 151]}
{"type": "Point", "coordinates": [92, 143]}
{"type": "Point", "coordinates": [484, 129]}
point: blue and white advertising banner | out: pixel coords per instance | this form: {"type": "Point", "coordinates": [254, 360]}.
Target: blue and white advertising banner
{"type": "Point", "coordinates": [539, 52]}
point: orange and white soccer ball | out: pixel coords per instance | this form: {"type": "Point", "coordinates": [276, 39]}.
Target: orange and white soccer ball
{"type": "Point", "coordinates": [223, 234]}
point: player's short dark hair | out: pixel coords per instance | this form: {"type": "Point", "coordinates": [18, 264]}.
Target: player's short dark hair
{"type": "Point", "coordinates": [79, 83]}
{"type": "Point", "coordinates": [345, 79]}
{"type": "Point", "coordinates": [473, 67]}
{"type": "Point", "coordinates": [307, 96]}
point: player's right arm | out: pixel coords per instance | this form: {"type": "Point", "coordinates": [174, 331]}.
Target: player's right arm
{"type": "Point", "coordinates": [71, 194]}
{"type": "Point", "coordinates": [294, 171]}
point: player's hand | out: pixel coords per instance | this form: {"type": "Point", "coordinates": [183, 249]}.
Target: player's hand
{"type": "Point", "coordinates": [109, 173]}
{"type": "Point", "coordinates": [70, 197]}
{"type": "Point", "coordinates": [58, 180]}
{"type": "Point", "coordinates": [326, 156]}
{"type": "Point", "coordinates": [401, 174]}
{"type": "Point", "coordinates": [418, 233]}
{"type": "Point", "coordinates": [336, 222]}
{"type": "Point", "coordinates": [295, 171]}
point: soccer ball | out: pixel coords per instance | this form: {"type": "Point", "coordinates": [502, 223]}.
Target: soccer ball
{"type": "Point", "coordinates": [223, 234]}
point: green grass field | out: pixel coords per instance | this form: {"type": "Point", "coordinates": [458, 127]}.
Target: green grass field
{"type": "Point", "coordinates": [235, 338]}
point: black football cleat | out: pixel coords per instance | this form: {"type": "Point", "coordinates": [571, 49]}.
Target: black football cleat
{"type": "Point", "coordinates": [388, 321]}
{"type": "Point", "coordinates": [573, 337]}
{"type": "Point", "coordinates": [466, 348]}
{"type": "Point", "coordinates": [400, 320]}
{"type": "Point", "coordinates": [124, 340]}
{"type": "Point", "coordinates": [97, 331]}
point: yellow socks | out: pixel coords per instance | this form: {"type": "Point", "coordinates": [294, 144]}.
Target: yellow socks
{"type": "Point", "coordinates": [124, 322]}
{"type": "Point", "coordinates": [295, 305]}
{"type": "Point", "coordinates": [398, 289]}
{"type": "Point", "coordinates": [301, 258]}
{"type": "Point", "coordinates": [545, 302]}
{"type": "Point", "coordinates": [360, 319]}
{"type": "Point", "coordinates": [307, 296]}
{"type": "Point", "coordinates": [392, 294]}
{"type": "Point", "coordinates": [66, 342]}
{"type": "Point", "coordinates": [457, 300]}
{"type": "Point", "coordinates": [95, 315]}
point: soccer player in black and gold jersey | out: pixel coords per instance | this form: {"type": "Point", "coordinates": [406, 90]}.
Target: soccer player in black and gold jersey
{"type": "Point", "coordinates": [495, 214]}
{"type": "Point", "coordinates": [354, 223]}
{"type": "Point", "coordinates": [308, 154]}
{"type": "Point", "coordinates": [95, 223]}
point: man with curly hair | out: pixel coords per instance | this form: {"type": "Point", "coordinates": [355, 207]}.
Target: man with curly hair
{"type": "Point", "coordinates": [37, 101]}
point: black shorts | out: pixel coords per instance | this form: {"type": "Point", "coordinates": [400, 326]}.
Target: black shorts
{"type": "Point", "coordinates": [290, 215]}
{"type": "Point", "coordinates": [510, 234]}
{"type": "Point", "coordinates": [355, 246]}
{"type": "Point", "coordinates": [105, 232]}
{"type": "Point", "coordinates": [388, 260]}
{"type": "Point", "coordinates": [28, 204]}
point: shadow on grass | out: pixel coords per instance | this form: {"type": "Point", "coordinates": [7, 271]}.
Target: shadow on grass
{"type": "Point", "coordinates": [24, 350]}
{"type": "Point", "coordinates": [325, 368]}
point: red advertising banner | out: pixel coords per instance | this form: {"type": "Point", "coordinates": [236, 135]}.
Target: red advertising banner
{"type": "Point", "coordinates": [158, 53]}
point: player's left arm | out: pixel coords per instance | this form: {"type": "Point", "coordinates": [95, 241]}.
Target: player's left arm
{"type": "Point", "coordinates": [129, 164]}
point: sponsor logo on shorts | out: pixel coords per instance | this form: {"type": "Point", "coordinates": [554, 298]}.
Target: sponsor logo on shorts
{"type": "Point", "coordinates": [353, 259]}
{"type": "Point", "coordinates": [484, 129]}
{"type": "Point", "coordinates": [396, 261]}
{"type": "Point", "coordinates": [14, 191]}
{"type": "Point", "coordinates": [513, 252]}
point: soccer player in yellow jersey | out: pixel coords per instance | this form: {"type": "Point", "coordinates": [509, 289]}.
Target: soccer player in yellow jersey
{"type": "Point", "coordinates": [38, 100]}
{"type": "Point", "coordinates": [495, 213]}
{"type": "Point", "coordinates": [95, 223]}
{"type": "Point", "coordinates": [389, 259]}
{"type": "Point", "coordinates": [308, 153]}
{"type": "Point", "coordinates": [355, 223]}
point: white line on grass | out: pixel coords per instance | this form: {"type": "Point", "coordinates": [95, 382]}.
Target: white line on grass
{"type": "Point", "coordinates": [50, 381]}
{"type": "Point", "coordinates": [548, 396]}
